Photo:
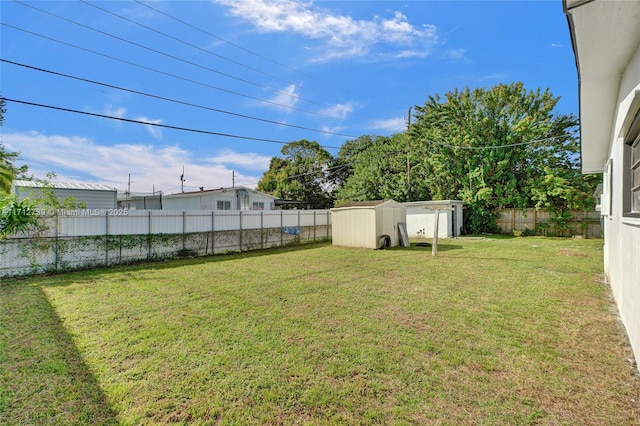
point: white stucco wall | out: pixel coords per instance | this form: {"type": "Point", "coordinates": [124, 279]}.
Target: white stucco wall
{"type": "Point", "coordinates": [622, 235]}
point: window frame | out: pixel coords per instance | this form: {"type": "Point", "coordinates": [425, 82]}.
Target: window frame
{"type": "Point", "coordinates": [631, 155]}
{"type": "Point", "coordinates": [259, 204]}
{"type": "Point", "coordinates": [226, 205]}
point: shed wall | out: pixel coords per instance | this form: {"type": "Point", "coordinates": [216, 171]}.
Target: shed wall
{"type": "Point", "coordinates": [354, 228]}
{"type": "Point", "coordinates": [94, 199]}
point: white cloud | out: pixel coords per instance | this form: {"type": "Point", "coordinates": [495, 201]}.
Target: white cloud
{"type": "Point", "coordinates": [121, 112]}
{"type": "Point", "coordinates": [341, 36]}
{"type": "Point", "coordinates": [154, 131]}
{"type": "Point", "coordinates": [457, 55]}
{"type": "Point", "coordinates": [393, 125]}
{"type": "Point", "coordinates": [340, 111]}
{"type": "Point", "coordinates": [498, 76]}
{"type": "Point", "coordinates": [118, 112]}
{"type": "Point", "coordinates": [287, 97]}
{"type": "Point", "coordinates": [248, 160]}
{"type": "Point", "coordinates": [78, 159]}
{"type": "Point", "coordinates": [556, 45]}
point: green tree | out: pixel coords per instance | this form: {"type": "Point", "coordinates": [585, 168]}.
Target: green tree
{"type": "Point", "coordinates": [302, 174]}
{"type": "Point", "coordinates": [16, 216]}
{"type": "Point", "coordinates": [376, 169]}
{"type": "Point", "coordinates": [8, 171]}
{"type": "Point", "coordinates": [492, 147]}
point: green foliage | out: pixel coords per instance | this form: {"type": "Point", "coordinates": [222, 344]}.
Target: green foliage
{"type": "Point", "coordinates": [16, 216]}
{"type": "Point", "coordinates": [560, 190]}
{"type": "Point", "coordinates": [496, 148]}
{"type": "Point", "coordinates": [46, 197]}
{"type": "Point", "coordinates": [480, 219]}
{"type": "Point", "coordinates": [377, 167]}
{"type": "Point", "coordinates": [501, 147]}
{"type": "Point", "coordinates": [302, 175]}
{"type": "Point", "coordinates": [8, 170]}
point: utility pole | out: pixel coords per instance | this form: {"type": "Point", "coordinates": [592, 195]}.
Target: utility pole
{"type": "Point", "coordinates": [408, 160]}
{"type": "Point", "coordinates": [128, 191]}
{"type": "Point", "coordinates": [233, 178]}
{"type": "Point", "coordinates": [182, 180]}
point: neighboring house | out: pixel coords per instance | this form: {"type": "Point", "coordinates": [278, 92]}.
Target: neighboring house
{"type": "Point", "coordinates": [236, 198]}
{"type": "Point", "coordinates": [606, 42]}
{"type": "Point", "coordinates": [92, 195]}
{"type": "Point", "coordinates": [367, 224]}
{"type": "Point", "coordinates": [140, 201]}
{"type": "Point", "coordinates": [421, 218]}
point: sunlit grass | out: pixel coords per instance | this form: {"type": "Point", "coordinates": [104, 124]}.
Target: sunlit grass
{"type": "Point", "coordinates": [493, 331]}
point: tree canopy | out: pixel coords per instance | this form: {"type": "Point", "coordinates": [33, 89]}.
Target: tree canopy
{"type": "Point", "coordinates": [8, 170]}
{"type": "Point", "coordinates": [303, 174]}
{"type": "Point", "coordinates": [499, 147]}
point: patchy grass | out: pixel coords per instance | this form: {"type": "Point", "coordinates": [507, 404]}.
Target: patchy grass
{"type": "Point", "coordinates": [491, 331]}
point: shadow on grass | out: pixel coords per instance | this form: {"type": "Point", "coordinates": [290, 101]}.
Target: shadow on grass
{"type": "Point", "coordinates": [82, 275]}
{"type": "Point", "coordinates": [44, 379]}
{"type": "Point", "coordinates": [426, 247]}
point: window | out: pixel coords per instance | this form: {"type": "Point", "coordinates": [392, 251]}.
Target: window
{"type": "Point", "coordinates": [223, 205]}
{"type": "Point", "coordinates": [632, 169]}
{"type": "Point", "coordinates": [258, 205]}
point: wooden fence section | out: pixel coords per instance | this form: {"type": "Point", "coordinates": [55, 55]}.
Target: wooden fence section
{"type": "Point", "coordinates": [541, 222]}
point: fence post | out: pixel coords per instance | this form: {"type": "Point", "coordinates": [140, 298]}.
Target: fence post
{"type": "Point", "coordinates": [106, 238]}
{"type": "Point", "coordinates": [262, 229]}
{"type": "Point", "coordinates": [149, 237]}
{"type": "Point", "coordinates": [281, 228]}
{"type": "Point", "coordinates": [184, 230]}
{"type": "Point", "coordinates": [314, 226]}
{"type": "Point", "coordinates": [328, 219]}
{"type": "Point", "coordinates": [513, 219]}
{"type": "Point", "coordinates": [535, 220]}
{"type": "Point", "coordinates": [240, 230]}
{"type": "Point", "coordinates": [55, 240]}
{"type": "Point", "coordinates": [213, 232]}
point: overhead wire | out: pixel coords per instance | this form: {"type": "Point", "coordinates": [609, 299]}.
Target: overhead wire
{"type": "Point", "coordinates": [167, 73]}
{"type": "Point", "coordinates": [147, 123]}
{"type": "Point", "coordinates": [242, 48]}
{"type": "Point", "coordinates": [137, 92]}
{"type": "Point", "coordinates": [238, 63]}
{"type": "Point", "coordinates": [159, 52]}
{"type": "Point", "coordinates": [205, 51]}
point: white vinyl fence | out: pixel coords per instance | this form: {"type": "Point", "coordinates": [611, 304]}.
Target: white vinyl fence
{"type": "Point", "coordinates": [76, 239]}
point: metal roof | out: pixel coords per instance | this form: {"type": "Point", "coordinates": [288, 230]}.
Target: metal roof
{"type": "Point", "coordinates": [64, 185]}
{"type": "Point", "coordinates": [217, 191]}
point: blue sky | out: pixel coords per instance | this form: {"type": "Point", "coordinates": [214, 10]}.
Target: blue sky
{"type": "Point", "coordinates": [249, 75]}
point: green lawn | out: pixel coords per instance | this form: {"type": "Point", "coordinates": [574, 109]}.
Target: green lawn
{"type": "Point", "coordinates": [491, 331]}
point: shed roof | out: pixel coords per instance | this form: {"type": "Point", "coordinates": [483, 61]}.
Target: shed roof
{"type": "Point", "coordinates": [63, 185]}
{"type": "Point", "coordinates": [372, 203]}
{"type": "Point", "coordinates": [432, 203]}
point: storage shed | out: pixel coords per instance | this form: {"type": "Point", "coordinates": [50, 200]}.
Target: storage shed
{"type": "Point", "coordinates": [421, 218]}
{"type": "Point", "coordinates": [94, 196]}
{"type": "Point", "coordinates": [366, 223]}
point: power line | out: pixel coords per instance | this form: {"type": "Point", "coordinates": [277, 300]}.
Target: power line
{"type": "Point", "coordinates": [241, 47]}
{"type": "Point", "coordinates": [166, 73]}
{"type": "Point", "coordinates": [170, 99]}
{"type": "Point", "coordinates": [164, 126]}
{"type": "Point", "coordinates": [159, 52]}
{"type": "Point", "coordinates": [198, 48]}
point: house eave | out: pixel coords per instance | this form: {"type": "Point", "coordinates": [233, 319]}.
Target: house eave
{"type": "Point", "coordinates": [604, 35]}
